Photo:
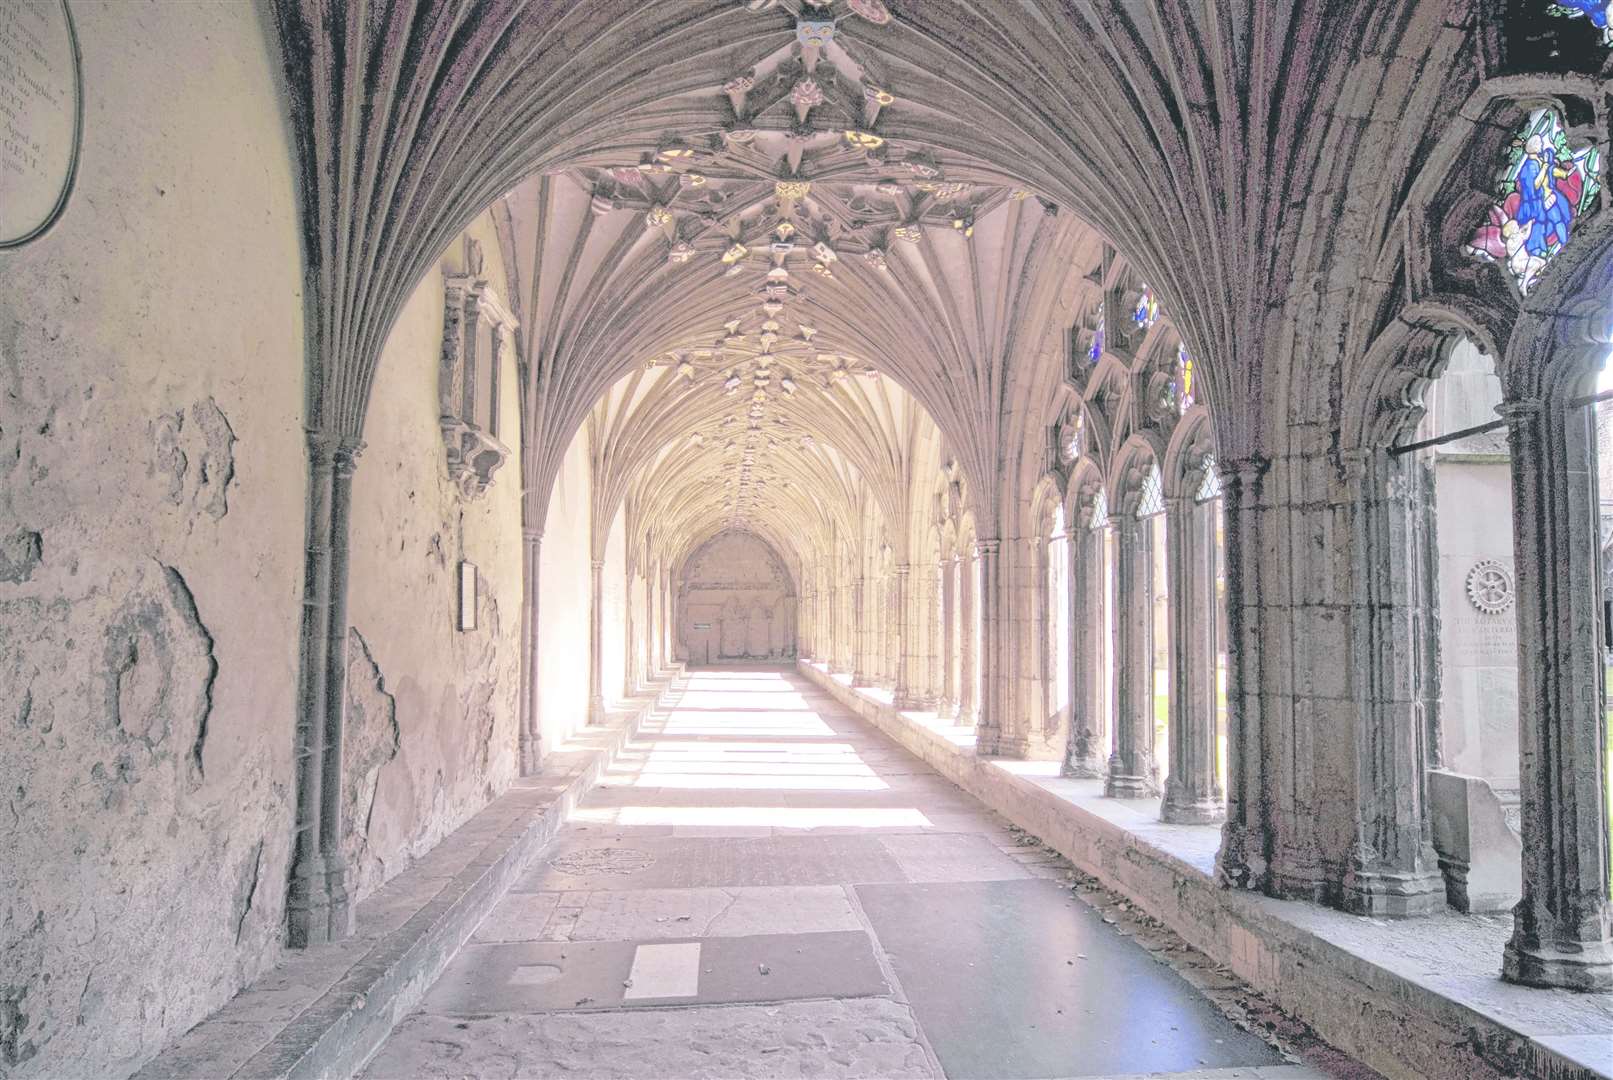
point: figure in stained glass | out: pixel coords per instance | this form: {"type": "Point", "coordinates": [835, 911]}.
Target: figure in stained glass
{"type": "Point", "coordinates": [1147, 311]}
{"type": "Point", "coordinates": [1182, 384]}
{"type": "Point", "coordinates": [1544, 187]}
{"type": "Point", "coordinates": [1095, 350]}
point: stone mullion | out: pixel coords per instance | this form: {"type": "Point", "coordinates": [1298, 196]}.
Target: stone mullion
{"type": "Point", "coordinates": [896, 632]}
{"type": "Point", "coordinates": [596, 644]}
{"type": "Point", "coordinates": [1131, 767]}
{"type": "Point", "coordinates": [949, 639]}
{"type": "Point", "coordinates": [1246, 836]}
{"type": "Point", "coordinates": [909, 664]}
{"type": "Point", "coordinates": [1088, 744]}
{"type": "Point", "coordinates": [1560, 933]}
{"type": "Point", "coordinates": [1393, 869]}
{"type": "Point", "coordinates": [968, 646]}
{"type": "Point", "coordinates": [1192, 793]}
{"type": "Point", "coordinates": [991, 669]}
{"type": "Point", "coordinates": [858, 633]}
{"type": "Point", "coordinates": [529, 739]}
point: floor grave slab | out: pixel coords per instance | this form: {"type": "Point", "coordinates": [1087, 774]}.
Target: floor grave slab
{"type": "Point", "coordinates": [951, 857]}
{"type": "Point", "coordinates": [550, 976]}
{"type": "Point", "coordinates": [1031, 984]}
{"type": "Point", "coordinates": [720, 862]}
{"type": "Point", "coordinates": [868, 1038]}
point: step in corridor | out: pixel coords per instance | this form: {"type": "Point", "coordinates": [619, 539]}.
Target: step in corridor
{"type": "Point", "coordinates": [764, 886]}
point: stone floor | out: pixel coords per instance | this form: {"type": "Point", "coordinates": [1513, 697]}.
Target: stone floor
{"type": "Point", "coordinates": [764, 886]}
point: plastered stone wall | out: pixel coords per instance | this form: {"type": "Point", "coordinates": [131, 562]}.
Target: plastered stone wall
{"type": "Point", "coordinates": [431, 726]}
{"type": "Point", "coordinates": [562, 662]}
{"type": "Point", "coordinates": [152, 480]}
{"type": "Point", "coordinates": [735, 601]}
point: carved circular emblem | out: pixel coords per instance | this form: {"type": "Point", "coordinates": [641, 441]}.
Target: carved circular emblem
{"type": "Point", "coordinates": [41, 97]}
{"type": "Point", "coordinates": [603, 860]}
{"type": "Point", "coordinates": [1490, 587]}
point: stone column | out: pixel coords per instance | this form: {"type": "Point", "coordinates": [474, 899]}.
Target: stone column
{"type": "Point", "coordinates": [1193, 794]}
{"type": "Point", "coordinates": [596, 644]}
{"type": "Point", "coordinates": [1242, 861]}
{"type": "Point", "coordinates": [318, 909]}
{"type": "Point", "coordinates": [992, 669]}
{"type": "Point", "coordinates": [969, 638]}
{"type": "Point", "coordinates": [1132, 771]}
{"type": "Point", "coordinates": [1560, 934]}
{"type": "Point", "coordinates": [1393, 869]}
{"type": "Point", "coordinates": [1088, 753]}
{"type": "Point", "coordinates": [530, 739]}
{"type": "Point", "coordinates": [948, 705]}
{"type": "Point", "coordinates": [908, 667]}
{"type": "Point", "coordinates": [858, 631]}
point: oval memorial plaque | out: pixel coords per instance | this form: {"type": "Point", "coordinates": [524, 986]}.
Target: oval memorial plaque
{"type": "Point", "coordinates": [41, 116]}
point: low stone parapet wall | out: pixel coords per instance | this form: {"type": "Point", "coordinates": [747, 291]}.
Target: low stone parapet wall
{"type": "Point", "coordinates": [1415, 998]}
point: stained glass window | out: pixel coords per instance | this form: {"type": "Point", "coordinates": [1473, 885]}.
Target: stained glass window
{"type": "Point", "coordinates": [1153, 500]}
{"type": "Point", "coordinates": [1595, 11]}
{"type": "Point", "coordinates": [1182, 388]}
{"type": "Point", "coordinates": [1147, 311]}
{"type": "Point", "coordinates": [1544, 187]}
{"type": "Point", "coordinates": [1095, 350]}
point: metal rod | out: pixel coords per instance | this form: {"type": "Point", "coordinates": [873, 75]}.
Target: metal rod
{"type": "Point", "coordinates": [1423, 444]}
{"type": "Point", "coordinates": [1479, 429]}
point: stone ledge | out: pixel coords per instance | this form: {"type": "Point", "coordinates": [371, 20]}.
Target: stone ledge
{"type": "Point", "coordinates": [323, 1011]}
{"type": "Point", "coordinates": [1415, 998]}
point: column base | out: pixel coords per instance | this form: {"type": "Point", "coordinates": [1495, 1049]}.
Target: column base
{"type": "Point", "coordinates": [1084, 766]}
{"type": "Point", "coordinates": [318, 910]}
{"type": "Point", "coordinates": [1587, 969]}
{"type": "Point", "coordinates": [1178, 808]}
{"type": "Point", "coordinates": [988, 740]}
{"type": "Point", "coordinates": [1241, 861]}
{"type": "Point", "coordinates": [946, 709]}
{"type": "Point", "coordinates": [531, 757]}
{"type": "Point", "coordinates": [1028, 748]}
{"type": "Point", "coordinates": [1393, 894]}
{"type": "Point", "coordinates": [1121, 786]}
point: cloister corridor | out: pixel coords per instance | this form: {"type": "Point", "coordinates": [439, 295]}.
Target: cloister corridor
{"type": "Point", "coordinates": [762, 885]}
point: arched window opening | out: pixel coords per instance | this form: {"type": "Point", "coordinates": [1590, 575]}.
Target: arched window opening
{"type": "Point", "coordinates": [1462, 591]}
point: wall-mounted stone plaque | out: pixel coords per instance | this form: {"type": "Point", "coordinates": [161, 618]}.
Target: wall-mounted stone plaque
{"type": "Point", "coordinates": [41, 116]}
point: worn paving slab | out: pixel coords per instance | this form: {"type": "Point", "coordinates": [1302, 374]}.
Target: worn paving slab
{"type": "Point", "coordinates": [1032, 983]}
{"type": "Point", "coordinates": [765, 886]}
{"type": "Point", "coordinates": [873, 1038]}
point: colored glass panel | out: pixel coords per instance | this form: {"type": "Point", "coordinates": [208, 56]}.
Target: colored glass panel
{"type": "Point", "coordinates": [1593, 11]}
{"type": "Point", "coordinates": [1544, 187]}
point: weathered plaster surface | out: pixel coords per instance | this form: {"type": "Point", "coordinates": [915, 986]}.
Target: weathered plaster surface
{"type": "Point", "coordinates": [151, 509]}
{"type": "Point", "coordinates": [431, 709]}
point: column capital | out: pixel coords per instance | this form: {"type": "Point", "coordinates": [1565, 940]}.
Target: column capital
{"type": "Point", "coordinates": [986, 546]}
{"type": "Point", "coordinates": [531, 535]}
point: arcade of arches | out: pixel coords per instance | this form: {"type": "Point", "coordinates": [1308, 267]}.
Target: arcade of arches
{"type": "Point", "coordinates": [1177, 426]}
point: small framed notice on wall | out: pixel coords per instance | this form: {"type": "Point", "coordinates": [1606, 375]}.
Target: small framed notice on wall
{"type": "Point", "coordinates": [467, 595]}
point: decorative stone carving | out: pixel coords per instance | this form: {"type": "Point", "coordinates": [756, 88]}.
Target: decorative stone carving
{"type": "Point", "coordinates": [474, 320]}
{"type": "Point", "coordinates": [1490, 587]}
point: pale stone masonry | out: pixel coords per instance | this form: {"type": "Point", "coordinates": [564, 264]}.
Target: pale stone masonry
{"type": "Point", "coordinates": [1199, 403]}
